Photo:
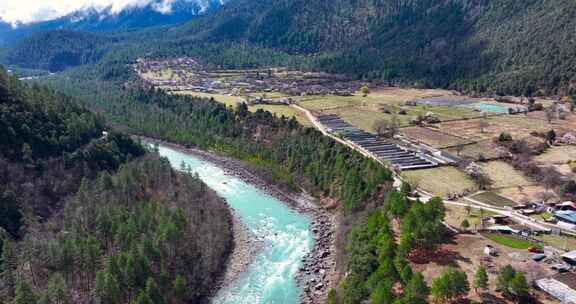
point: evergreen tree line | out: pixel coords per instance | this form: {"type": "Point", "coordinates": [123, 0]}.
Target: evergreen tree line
{"type": "Point", "coordinates": [143, 235]}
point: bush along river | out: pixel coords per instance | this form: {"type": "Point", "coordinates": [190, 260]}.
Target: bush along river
{"type": "Point", "coordinates": [285, 239]}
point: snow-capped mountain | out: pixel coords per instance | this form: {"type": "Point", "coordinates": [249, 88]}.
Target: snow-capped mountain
{"type": "Point", "coordinates": [100, 19]}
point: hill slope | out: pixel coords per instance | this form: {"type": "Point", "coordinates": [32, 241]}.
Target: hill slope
{"type": "Point", "coordinates": [57, 50]}
{"type": "Point", "coordinates": [48, 145]}
{"type": "Point", "coordinates": [517, 46]}
{"type": "Point", "coordinates": [505, 46]}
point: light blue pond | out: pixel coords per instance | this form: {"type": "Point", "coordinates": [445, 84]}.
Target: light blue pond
{"type": "Point", "coordinates": [488, 107]}
{"type": "Point", "coordinates": [285, 233]}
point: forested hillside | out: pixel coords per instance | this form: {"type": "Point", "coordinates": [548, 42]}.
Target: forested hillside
{"type": "Point", "coordinates": [57, 50]}
{"type": "Point", "coordinates": [143, 235]}
{"type": "Point", "coordinates": [48, 144]}
{"type": "Point", "coordinates": [504, 46]}
{"type": "Point", "coordinates": [513, 46]}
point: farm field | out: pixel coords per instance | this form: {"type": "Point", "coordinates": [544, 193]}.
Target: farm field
{"type": "Point", "coordinates": [165, 74]}
{"type": "Point", "coordinates": [363, 112]}
{"type": "Point", "coordinates": [494, 199]}
{"type": "Point", "coordinates": [440, 181]}
{"type": "Point", "coordinates": [557, 155]}
{"type": "Point", "coordinates": [456, 214]}
{"type": "Point", "coordinates": [504, 175]}
{"type": "Point", "coordinates": [524, 194]}
{"type": "Point", "coordinates": [485, 149]}
{"type": "Point", "coordinates": [510, 241]}
{"type": "Point", "coordinates": [519, 126]}
{"type": "Point", "coordinates": [432, 137]}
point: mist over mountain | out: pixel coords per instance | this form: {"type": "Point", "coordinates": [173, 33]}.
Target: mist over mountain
{"type": "Point", "coordinates": [104, 19]}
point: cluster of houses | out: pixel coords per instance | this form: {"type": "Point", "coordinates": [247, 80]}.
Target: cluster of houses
{"type": "Point", "coordinates": [188, 75]}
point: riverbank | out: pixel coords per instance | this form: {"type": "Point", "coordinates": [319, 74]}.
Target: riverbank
{"type": "Point", "coordinates": [246, 247]}
{"type": "Point", "coordinates": [316, 273]}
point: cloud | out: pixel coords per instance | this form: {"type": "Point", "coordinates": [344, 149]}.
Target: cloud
{"type": "Point", "coordinates": [14, 11]}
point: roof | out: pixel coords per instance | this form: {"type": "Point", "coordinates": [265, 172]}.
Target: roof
{"type": "Point", "coordinates": [503, 228]}
{"type": "Point", "coordinates": [570, 255]}
{"type": "Point", "coordinates": [558, 289]}
{"type": "Point", "coordinates": [567, 204]}
{"type": "Point", "coordinates": [567, 216]}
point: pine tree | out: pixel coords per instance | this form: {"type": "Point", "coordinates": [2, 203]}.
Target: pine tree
{"type": "Point", "coordinates": [57, 290]}
{"type": "Point", "coordinates": [416, 291]}
{"type": "Point", "coordinates": [382, 294]}
{"type": "Point", "coordinates": [406, 274]}
{"type": "Point", "coordinates": [107, 288]}
{"type": "Point", "coordinates": [518, 286]}
{"type": "Point", "coordinates": [24, 294]}
{"type": "Point", "coordinates": [504, 277]}
{"type": "Point", "coordinates": [130, 274]}
{"type": "Point", "coordinates": [100, 285]}
{"type": "Point", "coordinates": [164, 281]}
{"type": "Point", "coordinates": [8, 266]}
{"type": "Point", "coordinates": [179, 288]}
{"type": "Point", "coordinates": [153, 293]}
{"type": "Point", "coordinates": [481, 278]}
{"type": "Point", "coordinates": [142, 298]}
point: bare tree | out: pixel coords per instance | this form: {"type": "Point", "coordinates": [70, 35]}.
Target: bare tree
{"type": "Point", "coordinates": [387, 128]}
{"type": "Point", "coordinates": [483, 125]}
{"type": "Point", "coordinates": [477, 174]}
{"type": "Point", "coordinates": [549, 114]}
{"type": "Point", "coordinates": [459, 149]}
{"type": "Point", "coordinates": [550, 178]}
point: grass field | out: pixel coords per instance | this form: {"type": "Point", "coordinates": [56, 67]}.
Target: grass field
{"type": "Point", "coordinates": [527, 193]}
{"type": "Point", "coordinates": [432, 137]}
{"type": "Point", "coordinates": [166, 74]}
{"type": "Point", "coordinates": [510, 241]}
{"type": "Point", "coordinates": [363, 112]}
{"type": "Point", "coordinates": [440, 181]}
{"type": "Point", "coordinates": [557, 155]}
{"type": "Point", "coordinates": [481, 150]}
{"type": "Point", "coordinates": [504, 175]}
{"type": "Point", "coordinates": [494, 199]}
{"type": "Point", "coordinates": [456, 214]}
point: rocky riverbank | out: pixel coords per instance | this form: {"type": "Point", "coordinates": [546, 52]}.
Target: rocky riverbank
{"type": "Point", "coordinates": [316, 273]}
{"type": "Point", "coordinates": [246, 248]}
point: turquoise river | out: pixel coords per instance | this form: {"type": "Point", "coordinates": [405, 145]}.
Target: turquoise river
{"type": "Point", "coordinates": [284, 232]}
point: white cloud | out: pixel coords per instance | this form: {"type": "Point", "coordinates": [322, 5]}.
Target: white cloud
{"type": "Point", "coordinates": [38, 10]}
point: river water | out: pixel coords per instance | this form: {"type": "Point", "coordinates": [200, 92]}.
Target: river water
{"type": "Point", "coordinates": [285, 235]}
